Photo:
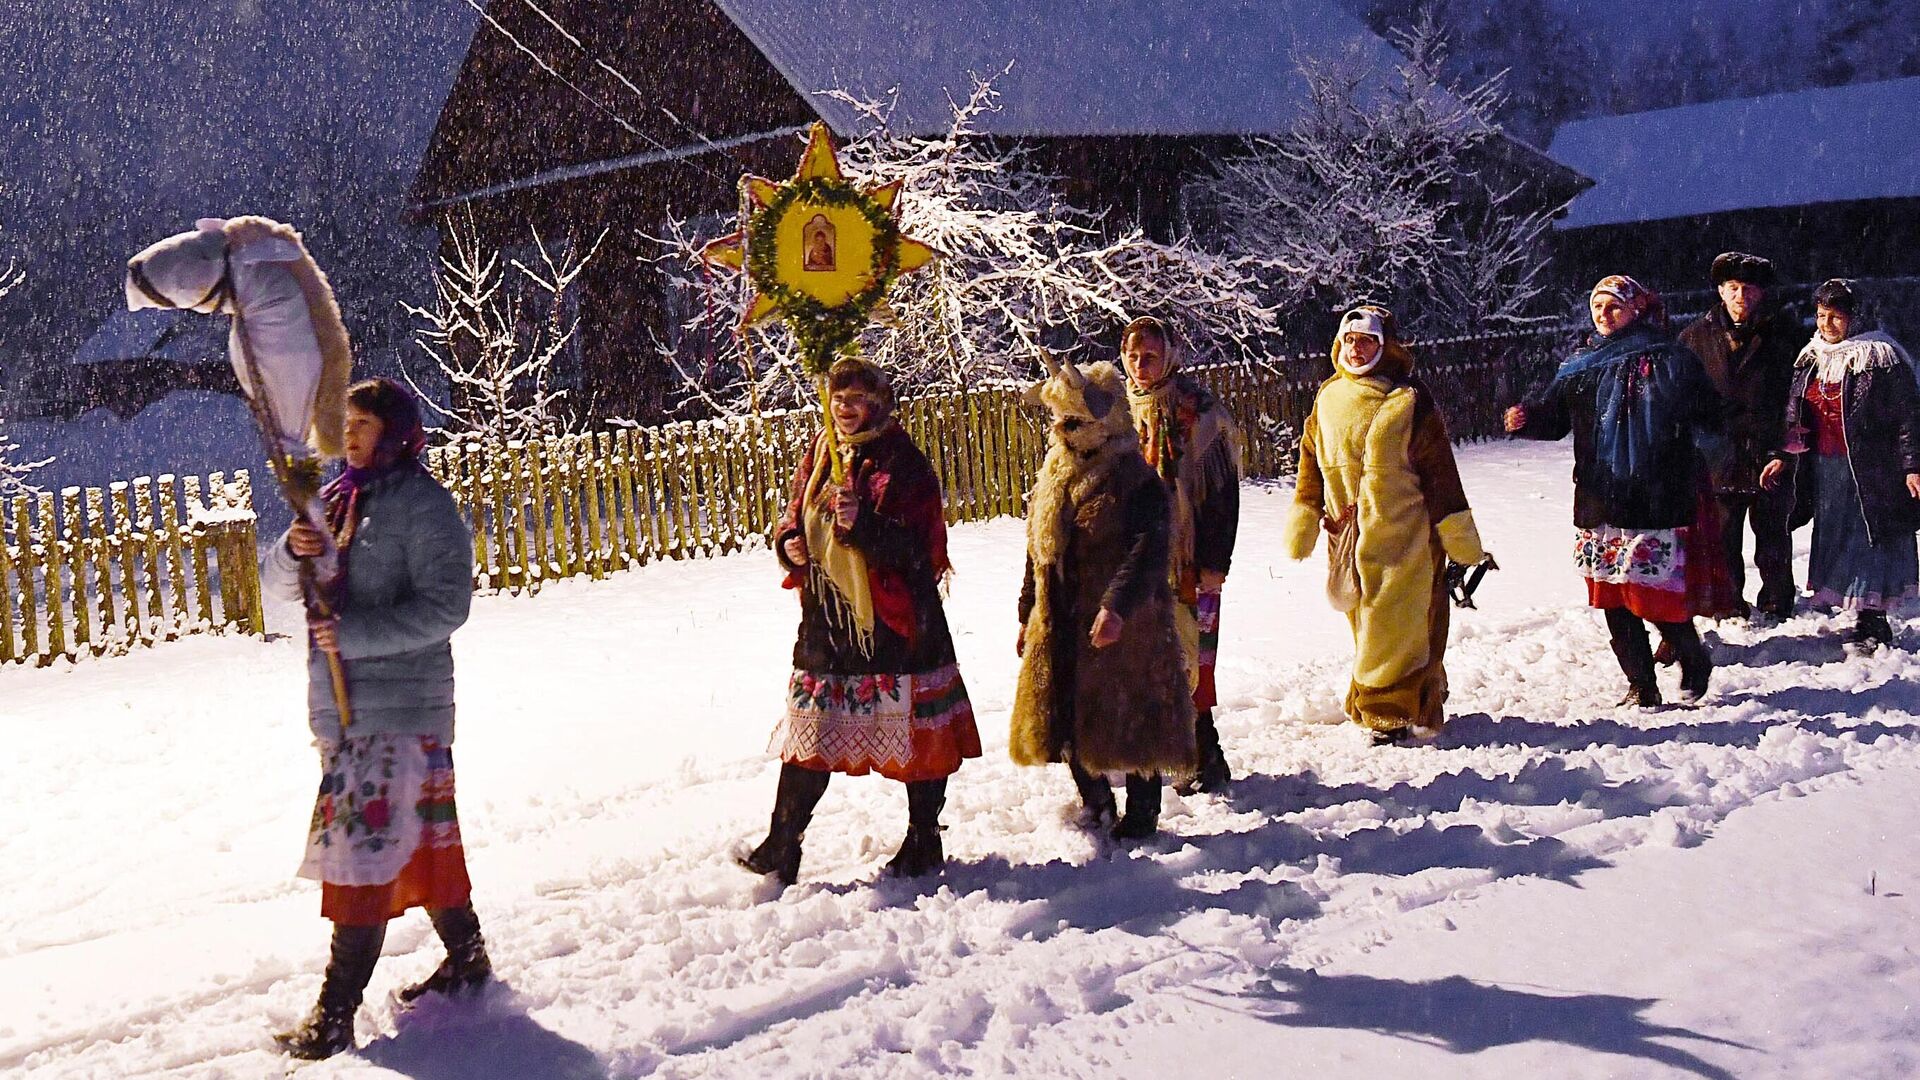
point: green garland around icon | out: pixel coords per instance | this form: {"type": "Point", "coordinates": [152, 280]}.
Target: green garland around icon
{"type": "Point", "coordinates": [822, 332]}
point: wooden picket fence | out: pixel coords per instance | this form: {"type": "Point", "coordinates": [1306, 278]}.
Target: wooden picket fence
{"type": "Point", "coordinates": [96, 571]}
{"type": "Point", "coordinates": [590, 504]}
{"type": "Point", "coordinates": [594, 503]}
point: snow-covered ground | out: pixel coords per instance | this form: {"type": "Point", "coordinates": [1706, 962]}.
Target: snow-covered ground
{"type": "Point", "coordinates": [1556, 887]}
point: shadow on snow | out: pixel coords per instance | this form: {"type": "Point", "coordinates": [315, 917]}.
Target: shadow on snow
{"type": "Point", "coordinates": [493, 1039]}
{"type": "Point", "coordinates": [1466, 1017]}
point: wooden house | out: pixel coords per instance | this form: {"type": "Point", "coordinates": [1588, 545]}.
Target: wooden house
{"type": "Point", "coordinates": [1824, 182]}
{"type": "Point", "coordinates": [579, 115]}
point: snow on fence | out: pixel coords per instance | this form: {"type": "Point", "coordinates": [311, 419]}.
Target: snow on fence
{"type": "Point", "coordinates": [590, 504]}
{"type": "Point", "coordinates": [128, 565]}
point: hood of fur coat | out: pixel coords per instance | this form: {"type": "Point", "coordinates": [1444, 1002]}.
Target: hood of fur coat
{"type": "Point", "coordinates": [1396, 362]}
{"type": "Point", "coordinates": [1091, 416]}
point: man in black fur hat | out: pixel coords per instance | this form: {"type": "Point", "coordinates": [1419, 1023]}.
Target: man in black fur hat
{"type": "Point", "coordinates": [1747, 344]}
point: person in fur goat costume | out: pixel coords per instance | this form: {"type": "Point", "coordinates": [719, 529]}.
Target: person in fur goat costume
{"type": "Point", "coordinates": [1102, 686]}
{"type": "Point", "coordinates": [1377, 474]}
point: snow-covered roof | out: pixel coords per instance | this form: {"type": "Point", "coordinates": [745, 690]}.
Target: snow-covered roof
{"type": "Point", "coordinates": [155, 333]}
{"type": "Point", "coordinates": [1080, 67]}
{"type": "Point", "coordinates": [1810, 146]}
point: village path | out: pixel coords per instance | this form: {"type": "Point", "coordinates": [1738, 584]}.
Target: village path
{"type": "Point", "coordinates": [1555, 883]}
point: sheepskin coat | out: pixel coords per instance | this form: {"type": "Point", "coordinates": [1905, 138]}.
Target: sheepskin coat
{"type": "Point", "coordinates": [1098, 536]}
{"type": "Point", "coordinates": [1376, 447]}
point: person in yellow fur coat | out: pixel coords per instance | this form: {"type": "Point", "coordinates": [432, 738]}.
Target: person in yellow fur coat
{"type": "Point", "coordinates": [1377, 475]}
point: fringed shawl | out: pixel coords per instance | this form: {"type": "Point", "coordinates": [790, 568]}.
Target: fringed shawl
{"type": "Point", "coordinates": [1190, 439]}
{"type": "Point", "coordinates": [1862, 352]}
{"type": "Point", "coordinates": [893, 480]}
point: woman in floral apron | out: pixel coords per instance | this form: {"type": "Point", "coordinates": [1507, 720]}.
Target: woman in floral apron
{"type": "Point", "coordinates": [875, 687]}
{"type": "Point", "coordinates": [1640, 409]}
{"type": "Point", "coordinates": [384, 836]}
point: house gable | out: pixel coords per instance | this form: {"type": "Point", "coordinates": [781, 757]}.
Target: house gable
{"type": "Point", "coordinates": [662, 80]}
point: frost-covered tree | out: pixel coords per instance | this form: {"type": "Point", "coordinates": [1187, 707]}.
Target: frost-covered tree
{"type": "Point", "coordinates": [494, 332]}
{"type": "Point", "coordinates": [1019, 266]}
{"type": "Point", "coordinates": [1376, 191]}
{"type": "Point", "coordinates": [1548, 61]}
{"type": "Point", "coordinates": [14, 471]}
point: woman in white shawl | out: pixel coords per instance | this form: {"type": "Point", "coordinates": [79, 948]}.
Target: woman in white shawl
{"type": "Point", "coordinates": [1853, 435]}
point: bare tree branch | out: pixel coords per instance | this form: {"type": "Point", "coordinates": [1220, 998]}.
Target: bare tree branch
{"type": "Point", "coordinates": [1018, 265]}
{"type": "Point", "coordinates": [494, 336]}
{"type": "Point", "coordinates": [1373, 193]}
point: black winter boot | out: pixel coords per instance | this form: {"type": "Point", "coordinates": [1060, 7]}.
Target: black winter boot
{"type": "Point", "coordinates": [1095, 793]}
{"type": "Point", "coordinates": [329, 1028]}
{"type": "Point", "coordinates": [1629, 640]}
{"type": "Point", "coordinates": [1696, 664]}
{"type": "Point", "coordinates": [921, 852]}
{"type": "Point", "coordinates": [466, 967]}
{"type": "Point", "coordinates": [1870, 631]}
{"type": "Point", "coordinates": [779, 854]}
{"type": "Point", "coordinates": [1142, 818]}
{"type": "Point", "coordinates": [1214, 775]}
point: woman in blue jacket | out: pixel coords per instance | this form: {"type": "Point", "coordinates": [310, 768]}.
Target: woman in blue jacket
{"type": "Point", "coordinates": [384, 836]}
{"type": "Point", "coordinates": [1639, 407]}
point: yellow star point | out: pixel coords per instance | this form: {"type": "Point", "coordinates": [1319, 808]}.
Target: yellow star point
{"type": "Point", "coordinates": [819, 162]}
{"type": "Point", "coordinates": [762, 307]}
{"type": "Point", "coordinates": [729, 251]}
{"type": "Point", "coordinates": [886, 194]}
{"type": "Point", "coordinates": [761, 190]}
{"type": "Point", "coordinates": [911, 255]}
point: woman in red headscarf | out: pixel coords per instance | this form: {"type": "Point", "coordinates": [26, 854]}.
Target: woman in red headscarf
{"type": "Point", "coordinates": [1639, 407]}
{"type": "Point", "coordinates": [875, 684]}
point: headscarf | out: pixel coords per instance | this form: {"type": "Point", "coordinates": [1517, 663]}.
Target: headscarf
{"type": "Point", "coordinates": [1636, 410]}
{"type": "Point", "coordinates": [1156, 405]}
{"type": "Point", "coordinates": [1188, 438]}
{"type": "Point", "coordinates": [1641, 302]}
{"type": "Point", "coordinates": [403, 436]}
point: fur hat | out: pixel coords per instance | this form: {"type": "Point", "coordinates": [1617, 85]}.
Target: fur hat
{"type": "Point", "coordinates": [1740, 266]}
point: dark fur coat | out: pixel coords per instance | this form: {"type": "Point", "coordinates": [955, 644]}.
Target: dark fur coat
{"type": "Point", "coordinates": [1098, 537]}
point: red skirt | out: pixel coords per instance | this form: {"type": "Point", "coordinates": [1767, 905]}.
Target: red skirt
{"type": "Point", "coordinates": [361, 826]}
{"type": "Point", "coordinates": [1661, 575]}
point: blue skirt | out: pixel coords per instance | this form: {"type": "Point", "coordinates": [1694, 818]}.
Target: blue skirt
{"type": "Point", "coordinates": [1846, 570]}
